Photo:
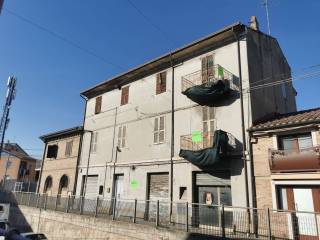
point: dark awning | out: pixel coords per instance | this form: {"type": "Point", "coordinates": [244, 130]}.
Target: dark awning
{"type": "Point", "coordinates": [208, 94]}
{"type": "Point", "coordinates": [209, 156]}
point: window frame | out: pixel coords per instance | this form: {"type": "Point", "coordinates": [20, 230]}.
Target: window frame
{"type": "Point", "coordinates": [158, 130]}
{"type": "Point", "coordinates": [122, 138]}
{"type": "Point", "coordinates": [161, 82]}
{"type": "Point", "coordinates": [124, 95]}
{"type": "Point", "coordinates": [293, 137]}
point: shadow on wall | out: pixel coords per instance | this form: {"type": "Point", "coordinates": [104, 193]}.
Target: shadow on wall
{"type": "Point", "coordinates": [16, 218]}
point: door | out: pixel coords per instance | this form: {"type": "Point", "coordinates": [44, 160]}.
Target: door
{"type": "Point", "coordinates": [158, 189]}
{"type": "Point", "coordinates": [306, 223]}
{"type": "Point", "coordinates": [91, 192]}
{"type": "Point", "coordinates": [207, 70]}
{"type": "Point", "coordinates": [118, 194]}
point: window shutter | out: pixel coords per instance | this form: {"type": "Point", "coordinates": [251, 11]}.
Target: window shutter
{"type": "Point", "coordinates": [204, 70]}
{"type": "Point", "coordinates": [125, 95]}
{"type": "Point", "coordinates": [119, 136]}
{"type": "Point", "coordinates": [124, 132]}
{"type": "Point", "coordinates": [161, 82]}
{"type": "Point", "coordinates": [158, 84]}
{"type": "Point", "coordinates": [156, 133]}
{"type": "Point", "coordinates": [161, 130]}
{"type": "Point", "coordinates": [98, 105]}
{"type": "Point", "coordinates": [210, 66]}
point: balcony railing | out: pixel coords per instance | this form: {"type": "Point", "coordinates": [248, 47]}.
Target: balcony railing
{"type": "Point", "coordinates": [187, 142]}
{"type": "Point", "coordinates": [213, 74]}
{"type": "Point", "coordinates": [307, 159]}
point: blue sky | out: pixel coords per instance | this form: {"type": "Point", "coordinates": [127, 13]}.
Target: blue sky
{"type": "Point", "coordinates": [51, 73]}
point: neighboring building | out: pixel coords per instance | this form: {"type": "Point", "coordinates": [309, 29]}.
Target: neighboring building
{"type": "Point", "coordinates": [16, 166]}
{"type": "Point", "coordinates": [128, 144]}
{"type": "Point", "coordinates": [286, 159]}
{"type": "Point", "coordinates": [58, 172]}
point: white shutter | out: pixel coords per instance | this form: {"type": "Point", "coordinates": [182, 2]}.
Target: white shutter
{"type": "Point", "coordinates": [124, 130]}
{"type": "Point", "coordinates": [161, 130]}
{"type": "Point", "coordinates": [119, 136]}
{"type": "Point", "coordinates": [156, 133]}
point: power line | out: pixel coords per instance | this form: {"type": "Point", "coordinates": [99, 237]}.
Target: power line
{"type": "Point", "coordinates": [63, 38]}
{"type": "Point", "coordinates": [171, 41]}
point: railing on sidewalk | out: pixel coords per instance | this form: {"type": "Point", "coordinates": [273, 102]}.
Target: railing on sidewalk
{"type": "Point", "coordinates": [217, 220]}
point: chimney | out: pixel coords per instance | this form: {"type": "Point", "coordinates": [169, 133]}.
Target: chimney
{"type": "Point", "coordinates": [254, 23]}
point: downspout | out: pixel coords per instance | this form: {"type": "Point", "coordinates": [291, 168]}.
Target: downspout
{"type": "Point", "coordinates": [80, 147]}
{"type": "Point", "coordinates": [88, 163]}
{"type": "Point", "coordinates": [253, 180]}
{"type": "Point", "coordinates": [244, 144]}
{"type": "Point", "coordinates": [41, 169]}
{"type": "Point", "coordinates": [172, 136]}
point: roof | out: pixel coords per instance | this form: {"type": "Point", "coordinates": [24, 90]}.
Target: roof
{"type": "Point", "coordinates": [221, 37]}
{"type": "Point", "coordinates": [14, 149]}
{"type": "Point", "coordinates": [62, 133]}
{"type": "Point", "coordinates": [289, 119]}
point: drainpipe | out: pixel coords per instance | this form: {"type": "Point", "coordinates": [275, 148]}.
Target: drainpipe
{"type": "Point", "coordinates": [88, 163]}
{"type": "Point", "coordinates": [40, 175]}
{"type": "Point", "coordinates": [244, 144]}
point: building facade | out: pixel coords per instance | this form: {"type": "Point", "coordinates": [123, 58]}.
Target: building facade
{"type": "Point", "coordinates": [286, 156]}
{"type": "Point", "coordinates": [147, 132]}
{"type": "Point", "coordinates": [58, 172]}
{"type": "Point", "coordinates": [17, 166]}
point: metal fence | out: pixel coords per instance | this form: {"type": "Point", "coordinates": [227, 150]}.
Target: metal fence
{"type": "Point", "coordinates": [223, 221]}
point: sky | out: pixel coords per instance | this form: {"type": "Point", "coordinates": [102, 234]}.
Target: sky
{"type": "Point", "coordinates": [57, 49]}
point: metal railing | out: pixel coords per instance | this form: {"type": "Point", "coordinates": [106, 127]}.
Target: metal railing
{"type": "Point", "coordinates": [213, 74]}
{"type": "Point", "coordinates": [216, 220]}
{"type": "Point", "coordinates": [187, 143]}
{"type": "Point", "coordinates": [307, 159]}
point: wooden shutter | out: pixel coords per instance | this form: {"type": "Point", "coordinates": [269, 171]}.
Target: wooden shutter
{"type": "Point", "coordinates": [161, 83]}
{"type": "Point", "coordinates": [207, 68]}
{"type": "Point", "coordinates": [125, 95]}
{"type": "Point", "coordinates": [316, 198]}
{"type": "Point", "coordinates": [68, 150]}
{"type": "Point", "coordinates": [290, 199]}
{"type": "Point", "coordinates": [161, 129]}
{"type": "Point", "coordinates": [98, 105]}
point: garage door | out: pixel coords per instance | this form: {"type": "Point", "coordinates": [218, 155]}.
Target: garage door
{"type": "Point", "coordinates": [158, 186]}
{"type": "Point", "coordinates": [92, 186]}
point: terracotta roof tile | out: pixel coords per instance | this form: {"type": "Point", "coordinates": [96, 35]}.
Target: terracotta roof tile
{"type": "Point", "coordinates": [293, 118]}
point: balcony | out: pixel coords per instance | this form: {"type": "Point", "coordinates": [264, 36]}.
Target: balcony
{"type": "Point", "coordinates": [213, 74]}
{"type": "Point", "coordinates": [194, 143]}
{"type": "Point", "coordinates": [303, 160]}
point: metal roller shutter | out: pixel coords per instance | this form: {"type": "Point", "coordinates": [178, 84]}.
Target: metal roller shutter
{"type": "Point", "coordinates": [92, 186]}
{"type": "Point", "coordinates": [215, 179]}
{"type": "Point", "coordinates": [158, 186]}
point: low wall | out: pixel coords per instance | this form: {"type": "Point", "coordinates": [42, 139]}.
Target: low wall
{"type": "Point", "coordinates": [59, 225]}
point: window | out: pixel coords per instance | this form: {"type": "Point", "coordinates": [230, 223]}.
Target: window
{"type": "Point", "coordinates": [161, 82]}
{"type": "Point", "coordinates": [94, 142]}
{"type": "Point", "coordinates": [122, 133]}
{"type": "Point", "coordinates": [52, 151]}
{"type": "Point", "coordinates": [68, 151]}
{"type": "Point", "coordinates": [98, 105]}
{"type": "Point", "coordinates": [295, 143]}
{"type": "Point", "coordinates": [207, 125]}
{"type": "Point", "coordinates": [207, 69]}
{"type": "Point", "coordinates": [125, 95]}
{"type": "Point", "coordinates": [158, 134]}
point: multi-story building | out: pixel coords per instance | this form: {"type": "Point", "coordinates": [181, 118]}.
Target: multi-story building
{"type": "Point", "coordinates": [17, 166]}
{"type": "Point", "coordinates": [58, 172]}
{"type": "Point", "coordinates": [286, 163]}
{"type": "Point", "coordinates": [286, 159]}
{"type": "Point", "coordinates": [154, 132]}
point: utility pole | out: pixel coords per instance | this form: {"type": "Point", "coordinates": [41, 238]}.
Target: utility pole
{"type": "Point", "coordinates": [11, 93]}
{"type": "Point", "coordinates": [265, 3]}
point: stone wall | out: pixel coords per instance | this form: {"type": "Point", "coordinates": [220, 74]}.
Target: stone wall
{"type": "Point", "coordinates": [59, 225]}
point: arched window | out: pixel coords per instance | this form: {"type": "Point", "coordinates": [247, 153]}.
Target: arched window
{"type": "Point", "coordinates": [47, 184]}
{"type": "Point", "coordinates": [63, 185]}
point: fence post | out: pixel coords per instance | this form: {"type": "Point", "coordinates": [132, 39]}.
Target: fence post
{"type": "Point", "coordinates": [114, 208]}
{"type": "Point", "coordinates": [157, 214]}
{"type": "Point", "coordinates": [56, 203]}
{"type": "Point", "coordinates": [316, 222]}
{"type": "Point", "coordinates": [269, 224]}
{"type": "Point", "coordinates": [223, 230]}
{"type": "Point", "coordinates": [29, 200]}
{"type": "Point", "coordinates": [96, 211]}
{"type": "Point", "coordinates": [37, 202]}
{"type": "Point", "coordinates": [67, 204]}
{"type": "Point", "coordinates": [45, 202]}
{"type": "Point", "coordinates": [135, 211]}
{"type": "Point", "coordinates": [187, 217]}
{"type": "Point", "coordinates": [81, 205]}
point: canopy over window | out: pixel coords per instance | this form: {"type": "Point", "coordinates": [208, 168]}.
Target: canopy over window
{"type": "Point", "coordinates": [210, 156]}
{"type": "Point", "coordinates": [208, 94]}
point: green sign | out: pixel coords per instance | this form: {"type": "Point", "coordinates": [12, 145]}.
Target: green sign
{"type": "Point", "coordinates": [197, 136]}
{"type": "Point", "coordinates": [134, 184]}
{"type": "Point", "coordinates": [220, 71]}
